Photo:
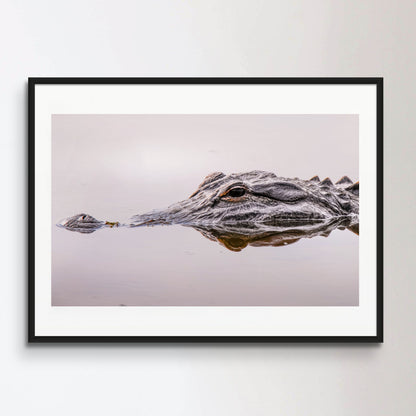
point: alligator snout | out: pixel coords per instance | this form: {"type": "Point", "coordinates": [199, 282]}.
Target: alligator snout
{"type": "Point", "coordinates": [82, 223]}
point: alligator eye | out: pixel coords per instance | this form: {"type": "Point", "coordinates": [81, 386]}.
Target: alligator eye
{"type": "Point", "coordinates": [236, 192]}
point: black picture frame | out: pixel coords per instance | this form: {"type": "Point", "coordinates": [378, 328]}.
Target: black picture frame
{"type": "Point", "coordinates": [33, 338]}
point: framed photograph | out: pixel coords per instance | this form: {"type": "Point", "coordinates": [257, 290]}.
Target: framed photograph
{"type": "Point", "coordinates": [205, 209]}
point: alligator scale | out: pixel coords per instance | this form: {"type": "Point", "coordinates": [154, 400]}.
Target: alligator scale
{"type": "Point", "coordinates": [252, 208]}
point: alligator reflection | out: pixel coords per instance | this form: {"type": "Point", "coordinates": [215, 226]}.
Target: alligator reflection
{"type": "Point", "coordinates": [236, 239]}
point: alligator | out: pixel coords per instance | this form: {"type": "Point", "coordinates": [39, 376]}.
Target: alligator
{"type": "Point", "coordinates": [256, 208]}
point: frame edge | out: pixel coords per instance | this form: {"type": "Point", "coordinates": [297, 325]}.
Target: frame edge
{"type": "Point", "coordinates": [32, 338]}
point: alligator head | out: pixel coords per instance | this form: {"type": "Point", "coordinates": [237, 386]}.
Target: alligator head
{"type": "Point", "coordinates": [258, 198]}
{"type": "Point", "coordinates": [253, 206]}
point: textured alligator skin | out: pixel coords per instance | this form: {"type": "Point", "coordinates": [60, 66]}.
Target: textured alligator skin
{"type": "Point", "coordinates": [252, 208]}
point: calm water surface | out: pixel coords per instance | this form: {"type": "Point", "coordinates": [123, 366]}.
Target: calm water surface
{"type": "Point", "coordinates": [175, 265]}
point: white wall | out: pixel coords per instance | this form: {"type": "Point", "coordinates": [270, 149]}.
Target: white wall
{"type": "Point", "coordinates": [211, 38]}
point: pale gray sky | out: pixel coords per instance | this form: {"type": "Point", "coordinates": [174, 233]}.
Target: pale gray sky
{"type": "Point", "coordinates": [150, 161]}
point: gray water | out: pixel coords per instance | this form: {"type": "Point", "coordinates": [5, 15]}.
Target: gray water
{"type": "Point", "coordinates": [114, 167]}
{"type": "Point", "coordinates": [175, 265]}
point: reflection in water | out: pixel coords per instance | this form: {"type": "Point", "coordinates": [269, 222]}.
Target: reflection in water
{"type": "Point", "coordinates": [176, 266]}
{"type": "Point", "coordinates": [238, 236]}
{"type": "Point", "coordinates": [236, 239]}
